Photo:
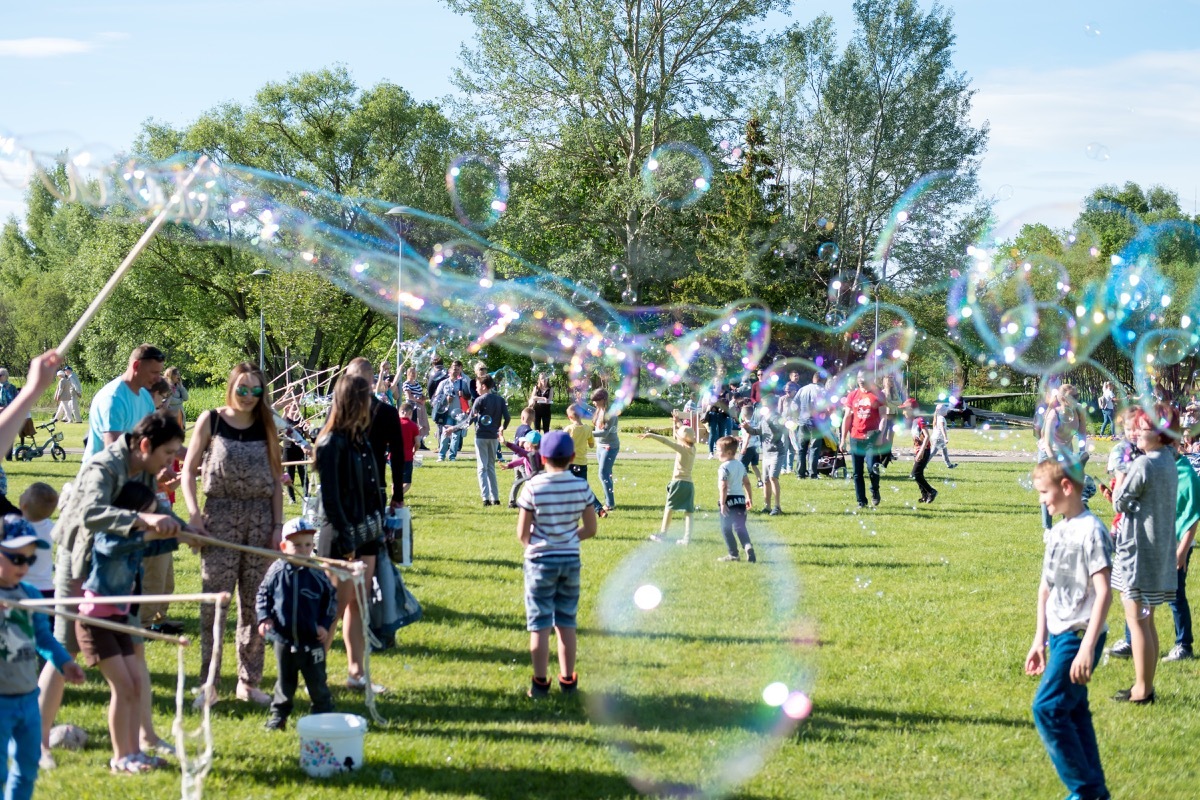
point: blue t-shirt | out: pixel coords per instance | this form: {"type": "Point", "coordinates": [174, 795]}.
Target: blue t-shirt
{"type": "Point", "coordinates": [115, 409]}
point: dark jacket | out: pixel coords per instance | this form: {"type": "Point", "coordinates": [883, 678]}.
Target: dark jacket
{"type": "Point", "coordinates": [490, 414]}
{"type": "Point", "coordinates": [297, 600]}
{"type": "Point", "coordinates": [387, 442]}
{"type": "Point", "coordinates": [350, 486]}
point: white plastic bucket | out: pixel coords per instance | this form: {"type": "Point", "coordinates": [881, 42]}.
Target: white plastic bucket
{"type": "Point", "coordinates": [331, 743]}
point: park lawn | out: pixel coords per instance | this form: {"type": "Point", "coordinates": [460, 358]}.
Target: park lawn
{"type": "Point", "coordinates": [914, 622]}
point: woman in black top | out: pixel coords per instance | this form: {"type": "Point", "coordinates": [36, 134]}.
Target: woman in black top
{"type": "Point", "coordinates": [352, 496]}
{"type": "Point", "coordinates": [540, 400]}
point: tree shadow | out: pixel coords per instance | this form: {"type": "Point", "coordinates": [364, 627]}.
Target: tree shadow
{"type": "Point", "coordinates": [840, 721]}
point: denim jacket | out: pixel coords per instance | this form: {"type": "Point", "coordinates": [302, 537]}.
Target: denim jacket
{"type": "Point", "coordinates": [117, 561]}
{"type": "Point", "coordinates": [297, 600]}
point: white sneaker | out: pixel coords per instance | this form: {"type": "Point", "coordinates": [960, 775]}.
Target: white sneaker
{"type": "Point", "coordinates": [684, 541]}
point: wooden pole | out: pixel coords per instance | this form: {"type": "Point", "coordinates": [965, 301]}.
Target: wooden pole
{"type": "Point", "coordinates": [97, 622]}
{"type": "Point", "coordinates": [211, 597]}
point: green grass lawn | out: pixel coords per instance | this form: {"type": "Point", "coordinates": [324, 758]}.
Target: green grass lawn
{"type": "Point", "coordinates": [907, 626]}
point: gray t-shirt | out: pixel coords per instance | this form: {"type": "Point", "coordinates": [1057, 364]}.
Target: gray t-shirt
{"type": "Point", "coordinates": [18, 644]}
{"type": "Point", "coordinates": [807, 400]}
{"type": "Point", "coordinates": [1076, 549]}
{"type": "Point", "coordinates": [733, 472]}
{"type": "Point", "coordinates": [1144, 557]}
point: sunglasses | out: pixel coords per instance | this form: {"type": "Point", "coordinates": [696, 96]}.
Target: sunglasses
{"type": "Point", "coordinates": [20, 560]}
{"type": "Point", "coordinates": [244, 391]}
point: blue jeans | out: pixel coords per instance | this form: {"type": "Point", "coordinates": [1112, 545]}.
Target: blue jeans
{"type": "Point", "coordinates": [20, 736]}
{"type": "Point", "coordinates": [607, 456]}
{"type": "Point", "coordinates": [1108, 421]}
{"type": "Point", "coordinates": [451, 444]}
{"type": "Point", "coordinates": [863, 451]}
{"type": "Point", "coordinates": [1064, 720]}
{"type": "Point", "coordinates": [1180, 609]}
{"type": "Point", "coordinates": [808, 449]}
{"type": "Point", "coordinates": [485, 468]}
{"type": "Point", "coordinates": [715, 431]}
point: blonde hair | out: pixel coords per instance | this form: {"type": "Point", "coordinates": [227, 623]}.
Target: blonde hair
{"type": "Point", "coordinates": [1054, 471]}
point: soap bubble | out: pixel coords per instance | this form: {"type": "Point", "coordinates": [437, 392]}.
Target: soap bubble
{"type": "Point", "coordinates": [828, 252]}
{"type": "Point", "coordinates": [478, 191]}
{"type": "Point", "coordinates": [676, 175]}
{"type": "Point", "coordinates": [652, 704]}
{"type": "Point", "coordinates": [1096, 151]}
{"type": "Point", "coordinates": [485, 421]}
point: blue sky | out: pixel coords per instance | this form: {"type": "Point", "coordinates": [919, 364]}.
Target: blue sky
{"type": "Point", "coordinates": [1053, 77]}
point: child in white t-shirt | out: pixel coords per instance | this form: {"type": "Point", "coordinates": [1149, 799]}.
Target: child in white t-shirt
{"type": "Point", "coordinates": [733, 489]}
{"type": "Point", "coordinates": [37, 503]}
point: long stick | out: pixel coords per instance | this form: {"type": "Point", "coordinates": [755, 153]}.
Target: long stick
{"type": "Point", "coordinates": [116, 277]}
{"type": "Point", "coordinates": [97, 622]}
{"type": "Point", "coordinates": [313, 561]}
{"type": "Point", "coordinates": [210, 597]}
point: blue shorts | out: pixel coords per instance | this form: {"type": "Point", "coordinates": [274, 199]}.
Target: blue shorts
{"type": "Point", "coordinates": [551, 593]}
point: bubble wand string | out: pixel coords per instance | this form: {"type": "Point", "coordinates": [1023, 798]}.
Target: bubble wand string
{"type": "Point", "coordinates": [115, 278]}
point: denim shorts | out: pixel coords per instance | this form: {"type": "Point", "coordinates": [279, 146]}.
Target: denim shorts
{"type": "Point", "coordinates": [551, 593]}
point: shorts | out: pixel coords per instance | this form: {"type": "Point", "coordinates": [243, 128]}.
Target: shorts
{"type": "Point", "coordinates": [750, 457]}
{"type": "Point", "coordinates": [681, 496]}
{"type": "Point", "coordinates": [772, 465]}
{"type": "Point", "coordinates": [98, 644]}
{"type": "Point", "coordinates": [551, 593]}
{"type": "Point", "coordinates": [406, 472]}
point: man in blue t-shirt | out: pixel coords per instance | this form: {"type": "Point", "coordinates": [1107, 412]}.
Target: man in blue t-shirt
{"type": "Point", "coordinates": [124, 401]}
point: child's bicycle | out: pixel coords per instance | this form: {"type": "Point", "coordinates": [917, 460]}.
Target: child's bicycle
{"type": "Point", "coordinates": [27, 453]}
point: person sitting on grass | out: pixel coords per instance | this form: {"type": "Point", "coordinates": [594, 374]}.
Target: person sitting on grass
{"type": "Point", "coordinates": [295, 607]}
{"type": "Point", "coordinates": [557, 513]}
{"type": "Point", "coordinates": [733, 489]}
{"type": "Point", "coordinates": [1073, 601]}
{"type": "Point", "coordinates": [116, 571]}
{"type": "Point", "coordinates": [681, 493]}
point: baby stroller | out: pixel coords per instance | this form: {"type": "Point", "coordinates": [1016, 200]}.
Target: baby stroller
{"type": "Point", "coordinates": [832, 462]}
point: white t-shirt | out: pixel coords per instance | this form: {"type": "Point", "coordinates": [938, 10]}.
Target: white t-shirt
{"type": "Point", "coordinates": [41, 574]}
{"type": "Point", "coordinates": [733, 472]}
{"type": "Point", "coordinates": [1076, 549]}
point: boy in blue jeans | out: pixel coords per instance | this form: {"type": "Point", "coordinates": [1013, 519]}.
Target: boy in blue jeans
{"type": "Point", "coordinates": [23, 636]}
{"type": "Point", "coordinates": [1073, 602]}
{"type": "Point", "coordinates": [557, 512]}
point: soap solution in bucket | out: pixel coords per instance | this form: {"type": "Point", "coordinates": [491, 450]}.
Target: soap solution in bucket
{"type": "Point", "coordinates": [331, 743]}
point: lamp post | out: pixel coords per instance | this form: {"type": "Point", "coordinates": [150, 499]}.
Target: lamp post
{"type": "Point", "coordinates": [262, 275]}
{"type": "Point", "coordinates": [399, 211]}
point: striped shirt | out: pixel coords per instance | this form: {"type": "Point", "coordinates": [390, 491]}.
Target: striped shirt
{"type": "Point", "coordinates": [557, 501]}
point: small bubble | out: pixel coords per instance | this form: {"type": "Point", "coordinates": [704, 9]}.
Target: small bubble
{"type": "Point", "coordinates": [1096, 151]}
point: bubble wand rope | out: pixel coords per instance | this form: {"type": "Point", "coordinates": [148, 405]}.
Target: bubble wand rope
{"type": "Point", "coordinates": [96, 622]}
{"type": "Point", "coordinates": [194, 771]}
{"type": "Point", "coordinates": [163, 216]}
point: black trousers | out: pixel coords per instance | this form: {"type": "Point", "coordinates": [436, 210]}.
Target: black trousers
{"type": "Point", "coordinates": [918, 473]}
{"type": "Point", "coordinates": [309, 662]}
{"type": "Point", "coordinates": [541, 417]}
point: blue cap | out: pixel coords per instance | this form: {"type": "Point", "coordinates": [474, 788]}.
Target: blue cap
{"type": "Point", "coordinates": [18, 533]}
{"type": "Point", "coordinates": [532, 438]}
{"type": "Point", "coordinates": [557, 444]}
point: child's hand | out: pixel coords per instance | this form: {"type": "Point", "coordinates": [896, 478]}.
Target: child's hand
{"type": "Point", "coordinates": [42, 369]}
{"type": "Point", "coordinates": [644, 435]}
{"type": "Point", "coordinates": [323, 636]}
{"type": "Point", "coordinates": [1081, 667]}
{"type": "Point", "coordinates": [73, 673]}
{"type": "Point", "coordinates": [1035, 662]}
{"type": "Point", "coordinates": [266, 626]}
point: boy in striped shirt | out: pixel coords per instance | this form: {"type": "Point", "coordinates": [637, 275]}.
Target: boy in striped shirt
{"type": "Point", "coordinates": [557, 512]}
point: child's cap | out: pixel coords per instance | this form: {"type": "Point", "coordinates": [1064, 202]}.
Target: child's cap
{"type": "Point", "coordinates": [298, 525]}
{"type": "Point", "coordinates": [909, 403]}
{"type": "Point", "coordinates": [532, 438]}
{"type": "Point", "coordinates": [19, 533]}
{"type": "Point", "coordinates": [557, 444]}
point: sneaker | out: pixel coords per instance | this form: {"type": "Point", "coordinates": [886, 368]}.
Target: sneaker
{"type": "Point", "coordinates": [729, 557]}
{"type": "Point", "coordinates": [274, 723]}
{"type": "Point", "coordinates": [569, 685]}
{"type": "Point", "coordinates": [360, 685]}
{"type": "Point", "coordinates": [932, 496]}
{"type": "Point", "coordinates": [538, 689]}
{"type": "Point", "coordinates": [47, 762]}
{"type": "Point", "coordinates": [760, 484]}
{"type": "Point", "coordinates": [684, 542]}
{"type": "Point", "coordinates": [750, 554]}
{"type": "Point", "coordinates": [512, 505]}
{"type": "Point", "coordinates": [1121, 649]}
{"type": "Point", "coordinates": [1178, 653]}
{"type": "Point", "coordinates": [952, 466]}
{"type": "Point", "coordinates": [656, 537]}
{"type": "Point", "coordinates": [440, 459]}
{"type": "Point", "coordinates": [776, 511]}
{"type": "Point", "coordinates": [764, 509]}
{"type": "Point", "coordinates": [874, 502]}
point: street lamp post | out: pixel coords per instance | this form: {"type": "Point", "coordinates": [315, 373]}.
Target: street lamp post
{"type": "Point", "coordinates": [399, 211]}
{"type": "Point", "coordinates": [262, 275]}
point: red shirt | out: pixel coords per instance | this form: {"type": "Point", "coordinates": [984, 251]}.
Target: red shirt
{"type": "Point", "coordinates": [918, 429]}
{"type": "Point", "coordinates": [409, 430]}
{"type": "Point", "coordinates": [863, 406]}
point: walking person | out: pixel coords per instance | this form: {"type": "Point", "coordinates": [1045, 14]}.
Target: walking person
{"type": "Point", "coordinates": [605, 426]}
{"type": "Point", "coordinates": [809, 440]}
{"type": "Point", "coordinates": [861, 428]}
{"type": "Point", "coordinates": [940, 435]}
{"type": "Point", "coordinates": [1107, 404]}
{"type": "Point", "coordinates": [922, 449]}
{"type": "Point", "coordinates": [451, 405]}
{"type": "Point", "coordinates": [66, 395]}
{"type": "Point", "coordinates": [235, 452]}
{"type": "Point", "coordinates": [490, 416]}
{"type": "Point", "coordinates": [1063, 434]}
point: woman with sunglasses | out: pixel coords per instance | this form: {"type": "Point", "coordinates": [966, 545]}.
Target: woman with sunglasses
{"type": "Point", "coordinates": [235, 451]}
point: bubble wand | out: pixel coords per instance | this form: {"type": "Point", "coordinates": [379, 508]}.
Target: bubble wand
{"type": "Point", "coordinates": [142, 242]}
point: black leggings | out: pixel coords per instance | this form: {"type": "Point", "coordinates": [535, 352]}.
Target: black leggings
{"type": "Point", "coordinates": [303, 473]}
{"type": "Point", "coordinates": [918, 473]}
{"type": "Point", "coordinates": [541, 417]}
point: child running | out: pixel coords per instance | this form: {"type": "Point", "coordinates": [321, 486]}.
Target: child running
{"type": "Point", "coordinates": [681, 493]}
{"type": "Point", "coordinates": [557, 513]}
{"type": "Point", "coordinates": [1073, 602]}
{"type": "Point", "coordinates": [24, 635]}
{"type": "Point", "coordinates": [296, 607]}
{"type": "Point", "coordinates": [116, 570]}
{"type": "Point", "coordinates": [922, 449]}
{"type": "Point", "coordinates": [733, 487]}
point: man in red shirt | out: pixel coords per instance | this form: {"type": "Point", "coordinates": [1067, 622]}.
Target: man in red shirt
{"type": "Point", "coordinates": [861, 426]}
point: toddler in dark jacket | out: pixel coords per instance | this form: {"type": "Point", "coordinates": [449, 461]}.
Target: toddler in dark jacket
{"type": "Point", "coordinates": [296, 607]}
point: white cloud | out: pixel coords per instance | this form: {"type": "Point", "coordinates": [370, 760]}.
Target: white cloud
{"type": "Point", "coordinates": [1056, 135]}
{"type": "Point", "coordinates": [43, 47]}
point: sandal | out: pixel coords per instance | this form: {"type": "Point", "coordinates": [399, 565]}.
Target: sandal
{"type": "Point", "coordinates": [160, 745]}
{"type": "Point", "coordinates": [128, 765]}
{"type": "Point", "coordinates": [153, 762]}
